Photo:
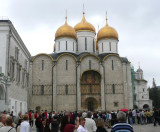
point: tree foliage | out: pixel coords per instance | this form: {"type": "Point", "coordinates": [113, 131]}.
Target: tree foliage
{"type": "Point", "coordinates": [154, 95]}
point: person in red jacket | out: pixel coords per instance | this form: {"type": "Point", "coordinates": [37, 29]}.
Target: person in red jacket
{"type": "Point", "coordinates": [45, 113]}
{"type": "Point", "coordinates": [30, 117]}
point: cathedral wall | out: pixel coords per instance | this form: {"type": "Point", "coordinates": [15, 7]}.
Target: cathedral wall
{"type": "Point", "coordinates": [114, 102]}
{"type": "Point", "coordinates": [66, 83]}
{"type": "Point", "coordinates": [116, 73]}
{"type": "Point", "coordinates": [42, 82]}
{"type": "Point", "coordinates": [92, 60]}
{"type": "Point", "coordinates": [114, 83]}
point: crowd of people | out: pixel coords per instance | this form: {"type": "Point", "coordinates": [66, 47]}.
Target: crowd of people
{"type": "Point", "coordinates": [77, 121]}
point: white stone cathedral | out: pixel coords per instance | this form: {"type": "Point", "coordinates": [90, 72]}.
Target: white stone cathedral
{"type": "Point", "coordinates": [85, 71]}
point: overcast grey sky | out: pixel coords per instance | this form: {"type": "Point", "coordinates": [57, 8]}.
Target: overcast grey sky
{"type": "Point", "coordinates": [136, 21]}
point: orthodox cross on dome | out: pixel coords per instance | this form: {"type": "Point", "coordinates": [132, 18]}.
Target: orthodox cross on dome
{"type": "Point", "coordinates": [66, 17]}
{"type": "Point", "coordinates": [83, 9]}
{"type": "Point", "coordinates": [106, 19]}
{"type": "Point", "coordinates": [139, 64]}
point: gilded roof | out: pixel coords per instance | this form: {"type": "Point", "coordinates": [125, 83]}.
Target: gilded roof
{"type": "Point", "coordinates": [65, 31]}
{"type": "Point", "coordinates": [107, 32]}
{"type": "Point", "coordinates": [84, 25]}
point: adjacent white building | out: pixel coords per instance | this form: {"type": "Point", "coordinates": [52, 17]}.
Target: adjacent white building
{"type": "Point", "coordinates": [141, 91]}
{"type": "Point", "coordinates": [14, 70]}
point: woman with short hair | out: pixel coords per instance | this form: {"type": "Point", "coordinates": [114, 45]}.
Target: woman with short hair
{"type": "Point", "coordinates": [100, 125]}
{"type": "Point", "coordinates": [9, 125]}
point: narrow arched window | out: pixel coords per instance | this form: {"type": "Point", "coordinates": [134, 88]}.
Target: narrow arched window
{"type": "Point", "coordinates": [59, 45]}
{"type": "Point", "coordinates": [113, 88]}
{"type": "Point", "coordinates": [102, 47]}
{"type": "Point", "coordinates": [66, 89]}
{"type": "Point", "coordinates": [66, 64]}
{"type": "Point", "coordinates": [66, 45]}
{"type": "Point", "coordinates": [42, 65]}
{"type": "Point", "coordinates": [110, 46]}
{"type": "Point", "coordinates": [73, 46]}
{"type": "Point", "coordinates": [93, 46]}
{"type": "Point", "coordinates": [42, 89]}
{"type": "Point", "coordinates": [112, 65]}
{"type": "Point", "coordinates": [85, 43]}
{"type": "Point", "coordinates": [89, 64]}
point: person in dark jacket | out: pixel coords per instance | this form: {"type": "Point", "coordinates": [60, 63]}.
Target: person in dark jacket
{"type": "Point", "coordinates": [100, 125]}
{"type": "Point", "coordinates": [38, 122]}
{"type": "Point", "coordinates": [156, 117]}
{"type": "Point", "coordinates": [55, 124]}
{"type": "Point", "coordinates": [44, 127]}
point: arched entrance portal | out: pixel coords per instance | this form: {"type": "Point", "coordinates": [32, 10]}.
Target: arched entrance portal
{"type": "Point", "coordinates": [91, 104]}
{"type": "Point", "coordinates": [91, 90]}
{"type": "Point", "coordinates": [146, 106]}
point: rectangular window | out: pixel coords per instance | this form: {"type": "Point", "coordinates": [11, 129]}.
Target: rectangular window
{"type": "Point", "coordinates": [42, 89]}
{"type": "Point", "coordinates": [59, 45]}
{"type": "Point", "coordinates": [102, 47]}
{"type": "Point", "coordinates": [110, 46]}
{"type": "Point", "coordinates": [93, 46]}
{"type": "Point", "coordinates": [66, 64]}
{"type": "Point", "coordinates": [113, 88]}
{"type": "Point", "coordinates": [16, 53]}
{"type": "Point", "coordinates": [25, 64]}
{"type": "Point", "coordinates": [23, 75]}
{"type": "Point", "coordinates": [85, 43]}
{"type": "Point", "coordinates": [66, 45]}
{"type": "Point", "coordinates": [27, 79]}
{"type": "Point", "coordinates": [115, 104]}
{"type": "Point", "coordinates": [89, 64]}
{"type": "Point", "coordinates": [112, 65]}
{"type": "Point", "coordinates": [12, 69]}
{"type": "Point", "coordinates": [77, 46]}
{"type": "Point", "coordinates": [73, 46]}
{"type": "Point", "coordinates": [19, 75]}
{"type": "Point", "coordinates": [66, 89]}
{"type": "Point", "coordinates": [42, 65]}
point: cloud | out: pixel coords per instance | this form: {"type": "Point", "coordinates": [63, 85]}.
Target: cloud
{"type": "Point", "coordinates": [137, 23]}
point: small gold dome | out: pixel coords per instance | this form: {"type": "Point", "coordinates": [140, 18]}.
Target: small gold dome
{"type": "Point", "coordinates": [107, 32]}
{"type": "Point", "coordinates": [65, 31]}
{"type": "Point", "coordinates": [84, 25]}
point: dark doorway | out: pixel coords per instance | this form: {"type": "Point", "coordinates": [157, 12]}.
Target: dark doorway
{"type": "Point", "coordinates": [90, 106]}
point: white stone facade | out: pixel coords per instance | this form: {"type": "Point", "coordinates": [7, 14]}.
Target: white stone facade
{"type": "Point", "coordinates": [141, 92]}
{"type": "Point", "coordinates": [14, 80]}
{"type": "Point", "coordinates": [76, 77]}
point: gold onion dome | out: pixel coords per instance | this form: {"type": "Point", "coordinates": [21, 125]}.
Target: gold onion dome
{"type": "Point", "coordinates": [84, 25]}
{"type": "Point", "coordinates": [107, 32]}
{"type": "Point", "coordinates": [65, 31]}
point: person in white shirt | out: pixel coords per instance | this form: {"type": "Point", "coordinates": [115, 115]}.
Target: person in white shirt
{"type": "Point", "coordinates": [9, 125]}
{"type": "Point", "coordinates": [90, 124]}
{"type": "Point", "coordinates": [81, 125]}
{"type": "Point", "coordinates": [25, 126]}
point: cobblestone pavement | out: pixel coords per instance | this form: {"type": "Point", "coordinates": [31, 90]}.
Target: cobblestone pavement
{"type": "Point", "coordinates": [137, 128]}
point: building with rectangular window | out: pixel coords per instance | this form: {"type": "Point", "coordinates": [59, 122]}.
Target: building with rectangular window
{"type": "Point", "coordinates": [14, 71]}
